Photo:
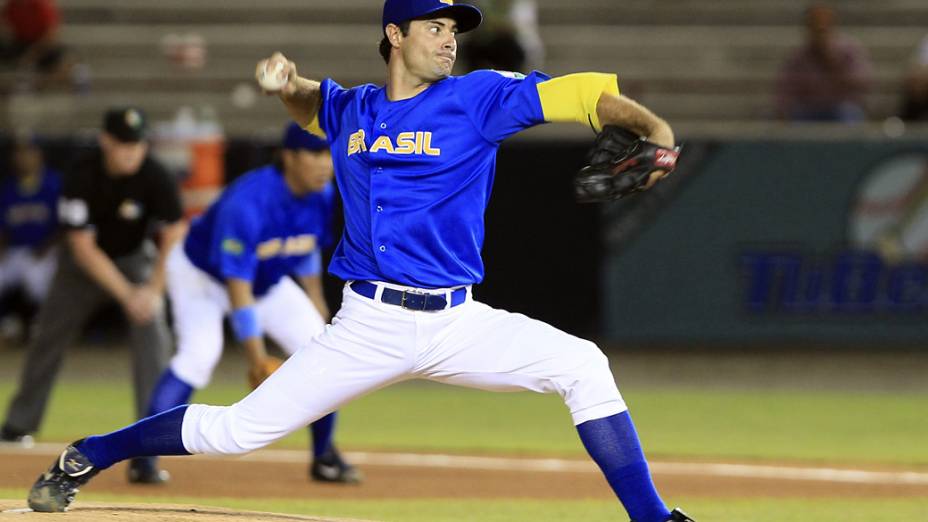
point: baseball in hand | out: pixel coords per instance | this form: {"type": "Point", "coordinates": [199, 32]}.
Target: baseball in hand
{"type": "Point", "coordinates": [273, 81]}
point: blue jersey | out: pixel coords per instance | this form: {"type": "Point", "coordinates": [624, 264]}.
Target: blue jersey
{"type": "Point", "coordinates": [415, 175]}
{"type": "Point", "coordinates": [29, 215]}
{"type": "Point", "coordinates": [260, 232]}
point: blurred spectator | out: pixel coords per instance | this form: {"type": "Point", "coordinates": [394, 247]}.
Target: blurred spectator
{"type": "Point", "coordinates": [915, 95]}
{"type": "Point", "coordinates": [28, 230]}
{"type": "Point", "coordinates": [32, 30]}
{"type": "Point", "coordinates": [110, 202]}
{"type": "Point", "coordinates": [825, 79]}
{"type": "Point", "coordinates": [30, 41]}
{"type": "Point", "coordinates": [509, 40]}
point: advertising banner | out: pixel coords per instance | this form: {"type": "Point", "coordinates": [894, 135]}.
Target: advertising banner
{"type": "Point", "coordinates": [767, 242]}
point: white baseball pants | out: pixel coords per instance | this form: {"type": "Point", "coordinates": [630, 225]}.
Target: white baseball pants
{"type": "Point", "coordinates": [199, 303]}
{"type": "Point", "coordinates": [372, 344]}
{"type": "Point", "coordinates": [18, 266]}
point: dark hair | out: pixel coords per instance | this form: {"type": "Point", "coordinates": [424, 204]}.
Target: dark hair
{"type": "Point", "coordinates": [385, 44]}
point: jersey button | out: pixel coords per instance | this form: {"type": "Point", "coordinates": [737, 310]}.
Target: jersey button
{"type": "Point", "coordinates": [383, 125]}
{"type": "Point", "coordinates": [383, 248]}
{"type": "Point", "coordinates": [379, 208]}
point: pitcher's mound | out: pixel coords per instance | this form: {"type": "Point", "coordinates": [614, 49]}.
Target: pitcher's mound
{"type": "Point", "coordinates": [96, 511]}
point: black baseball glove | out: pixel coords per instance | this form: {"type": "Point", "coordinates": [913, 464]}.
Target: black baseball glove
{"type": "Point", "coordinates": [620, 164]}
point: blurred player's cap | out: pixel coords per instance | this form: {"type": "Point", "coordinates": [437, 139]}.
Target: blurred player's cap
{"type": "Point", "coordinates": [126, 124]}
{"type": "Point", "coordinates": [295, 138]}
{"type": "Point", "coordinates": [396, 11]}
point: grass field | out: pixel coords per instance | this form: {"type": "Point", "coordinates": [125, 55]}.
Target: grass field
{"type": "Point", "coordinates": [833, 427]}
{"type": "Point", "coordinates": [719, 424]}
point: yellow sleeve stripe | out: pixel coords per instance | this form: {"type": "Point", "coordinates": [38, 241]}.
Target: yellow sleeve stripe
{"type": "Point", "coordinates": [574, 97]}
{"type": "Point", "coordinates": [315, 128]}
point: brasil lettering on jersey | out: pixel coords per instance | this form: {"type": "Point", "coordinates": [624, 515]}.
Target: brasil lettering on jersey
{"type": "Point", "coordinates": [291, 246]}
{"type": "Point", "coordinates": [26, 213]}
{"type": "Point", "coordinates": [406, 143]}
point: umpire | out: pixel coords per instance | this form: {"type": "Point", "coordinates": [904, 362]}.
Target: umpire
{"type": "Point", "coordinates": [111, 201]}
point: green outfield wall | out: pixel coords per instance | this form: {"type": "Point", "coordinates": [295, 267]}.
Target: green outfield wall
{"type": "Point", "coordinates": [817, 242]}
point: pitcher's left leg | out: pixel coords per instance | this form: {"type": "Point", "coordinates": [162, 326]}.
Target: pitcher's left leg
{"type": "Point", "coordinates": [481, 347]}
{"type": "Point", "coordinates": [497, 350]}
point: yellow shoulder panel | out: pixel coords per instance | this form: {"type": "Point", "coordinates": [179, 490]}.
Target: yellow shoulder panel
{"type": "Point", "coordinates": [574, 97]}
{"type": "Point", "coordinates": [314, 128]}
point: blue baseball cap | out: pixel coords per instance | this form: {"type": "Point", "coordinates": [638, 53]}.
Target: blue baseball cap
{"type": "Point", "coordinates": [397, 11]}
{"type": "Point", "coordinates": [295, 138]}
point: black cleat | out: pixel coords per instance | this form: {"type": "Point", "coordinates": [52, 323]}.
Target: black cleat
{"type": "Point", "coordinates": [15, 439]}
{"type": "Point", "coordinates": [678, 516]}
{"type": "Point", "coordinates": [331, 467]}
{"type": "Point", "coordinates": [55, 489]}
{"type": "Point", "coordinates": [145, 470]}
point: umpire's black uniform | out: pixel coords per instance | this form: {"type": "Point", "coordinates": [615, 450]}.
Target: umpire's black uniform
{"type": "Point", "coordinates": [121, 211]}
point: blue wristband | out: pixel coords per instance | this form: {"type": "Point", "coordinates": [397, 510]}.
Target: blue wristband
{"type": "Point", "coordinates": [245, 323]}
{"type": "Point", "coordinates": [311, 265]}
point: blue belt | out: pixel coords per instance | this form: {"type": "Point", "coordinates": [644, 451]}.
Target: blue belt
{"type": "Point", "coordinates": [408, 299]}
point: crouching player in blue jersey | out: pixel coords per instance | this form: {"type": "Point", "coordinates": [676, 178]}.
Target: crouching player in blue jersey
{"type": "Point", "coordinates": [28, 234]}
{"type": "Point", "coordinates": [414, 162]}
{"type": "Point", "coordinates": [235, 261]}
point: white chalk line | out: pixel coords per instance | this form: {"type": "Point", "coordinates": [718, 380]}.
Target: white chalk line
{"type": "Point", "coordinates": [554, 465]}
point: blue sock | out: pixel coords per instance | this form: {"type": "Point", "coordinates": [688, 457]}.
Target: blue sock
{"type": "Point", "coordinates": [613, 444]}
{"type": "Point", "coordinates": [321, 432]}
{"type": "Point", "coordinates": [151, 436]}
{"type": "Point", "coordinates": [170, 392]}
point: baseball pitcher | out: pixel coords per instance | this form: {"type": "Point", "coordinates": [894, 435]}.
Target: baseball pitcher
{"type": "Point", "coordinates": [414, 162]}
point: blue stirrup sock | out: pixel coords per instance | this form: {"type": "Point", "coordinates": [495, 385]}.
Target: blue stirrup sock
{"type": "Point", "coordinates": [613, 444]}
{"type": "Point", "coordinates": [170, 392]}
{"type": "Point", "coordinates": [321, 433]}
{"type": "Point", "coordinates": [149, 437]}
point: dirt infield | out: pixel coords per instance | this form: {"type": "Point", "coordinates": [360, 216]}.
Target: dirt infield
{"type": "Point", "coordinates": [95, 511]}
{"type": "Point", "coordinates": [200, 477]}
